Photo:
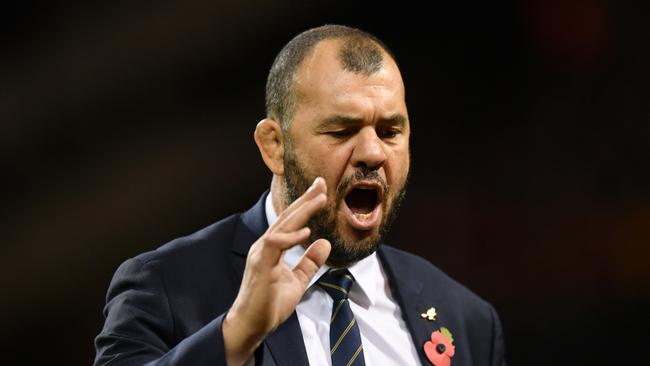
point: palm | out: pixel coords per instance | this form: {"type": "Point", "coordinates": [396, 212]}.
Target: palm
{"type": "Point", "coordinates": [271, 290]}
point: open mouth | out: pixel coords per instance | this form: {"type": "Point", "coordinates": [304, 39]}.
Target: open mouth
{"type": "Point", "coordinates": [363, 201]}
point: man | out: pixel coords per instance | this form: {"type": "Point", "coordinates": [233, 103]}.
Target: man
{"type": "Point", "coordinates": [301, 278]}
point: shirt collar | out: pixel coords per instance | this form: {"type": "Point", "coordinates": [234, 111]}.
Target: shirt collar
{"type": "Point", "coordinates": [365, 271]}
{"type": "Point", "coordinates": [271, 215]}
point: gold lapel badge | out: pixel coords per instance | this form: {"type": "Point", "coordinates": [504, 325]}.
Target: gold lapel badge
{"type": "Point", "coordinates": [430, 314]}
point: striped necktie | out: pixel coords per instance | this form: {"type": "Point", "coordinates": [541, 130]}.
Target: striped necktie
{"type": "Point", "coordinates": [345, 340]}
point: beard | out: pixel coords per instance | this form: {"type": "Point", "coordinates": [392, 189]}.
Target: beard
{"type": "Point", "coordinates": [324, 224]}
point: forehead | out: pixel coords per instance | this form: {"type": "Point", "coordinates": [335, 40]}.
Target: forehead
{"type": "Point", "coordinates": [321, 81]}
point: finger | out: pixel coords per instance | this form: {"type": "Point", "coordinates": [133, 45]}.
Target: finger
{"type": "Point", "coordinates": [312, 260]}
{"type": "Point", "coordinates": [317, 187]}
{"type": "Point", "coordinates": [275, 243]}
{"type": "Point", "coordinates": [301, 215]}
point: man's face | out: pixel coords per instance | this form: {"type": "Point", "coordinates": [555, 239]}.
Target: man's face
{"type": "Point", "coordinates": [353, 130]}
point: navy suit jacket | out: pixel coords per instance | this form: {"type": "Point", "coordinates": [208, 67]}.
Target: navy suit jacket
{"type": "Point", "coordinates": [166, 307]}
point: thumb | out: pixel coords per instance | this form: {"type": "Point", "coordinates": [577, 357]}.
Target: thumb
{"type": "Point", "coordinates": [312, 260]}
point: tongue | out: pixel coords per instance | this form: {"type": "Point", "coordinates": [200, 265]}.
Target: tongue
{"type": "Point", "coordinates": [361, 200]}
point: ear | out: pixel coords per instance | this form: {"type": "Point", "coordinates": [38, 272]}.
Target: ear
{"type": "Point", "coordinates": [268, 137]}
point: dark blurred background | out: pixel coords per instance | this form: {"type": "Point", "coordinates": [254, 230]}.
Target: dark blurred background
{"type": "Point", "coordinates": [125, 124]}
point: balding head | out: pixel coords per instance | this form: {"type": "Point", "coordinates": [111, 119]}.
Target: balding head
{"type": "Point", "coordinates": [359, 52]}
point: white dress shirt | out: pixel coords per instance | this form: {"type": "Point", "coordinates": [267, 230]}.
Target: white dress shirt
{"type": "Point", "coordinates": [385, 337]}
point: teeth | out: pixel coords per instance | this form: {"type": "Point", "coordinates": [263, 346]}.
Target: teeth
{"type": "Point", "coordinates": [361, 216]}
{"type": "Point", "coordinates": [366, 188]}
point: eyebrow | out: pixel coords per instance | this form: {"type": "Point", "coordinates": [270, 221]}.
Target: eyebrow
{"type": "Point", "coordinates": [396, 119]}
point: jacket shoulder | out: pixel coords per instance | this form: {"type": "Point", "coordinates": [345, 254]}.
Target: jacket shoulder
{"type": "Point", "coordinates": [210, 242]}
{"type": "Point", "coordinates": [433, 278]}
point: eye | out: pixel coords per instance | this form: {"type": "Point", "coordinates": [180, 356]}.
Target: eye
{"type": "Point", "coordinates": [387, 133]}
{"type": "Point", "coordinates": [341, 133]}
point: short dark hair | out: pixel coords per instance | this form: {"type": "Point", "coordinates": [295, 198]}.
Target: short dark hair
{"type": "Point", "coordinates": [360, 52]}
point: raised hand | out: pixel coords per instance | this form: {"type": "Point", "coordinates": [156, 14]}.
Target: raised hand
{"type": "Point", "coordinates": [270, 290]}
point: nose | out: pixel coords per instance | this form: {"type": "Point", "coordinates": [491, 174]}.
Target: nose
{"type": "Point", "coordinates": [368, 150]}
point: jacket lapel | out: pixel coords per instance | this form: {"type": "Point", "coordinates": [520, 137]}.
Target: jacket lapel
{"type": "Point", "coordinates": [407, 290]}
{"type": "Point", "coordinates": [285, 344]}
{"type": "Point", "coordinates": [251, 225]}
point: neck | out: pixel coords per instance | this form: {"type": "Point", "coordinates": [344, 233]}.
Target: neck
{"type": "Point", "coordinates": [277, 194]}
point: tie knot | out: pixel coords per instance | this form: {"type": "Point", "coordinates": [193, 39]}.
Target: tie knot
{"type": "Point", "coordinates": [337, 283]}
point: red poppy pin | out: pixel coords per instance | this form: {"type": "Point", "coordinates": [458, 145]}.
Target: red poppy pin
{"type": "Point", "coordinates": [440, 348]}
